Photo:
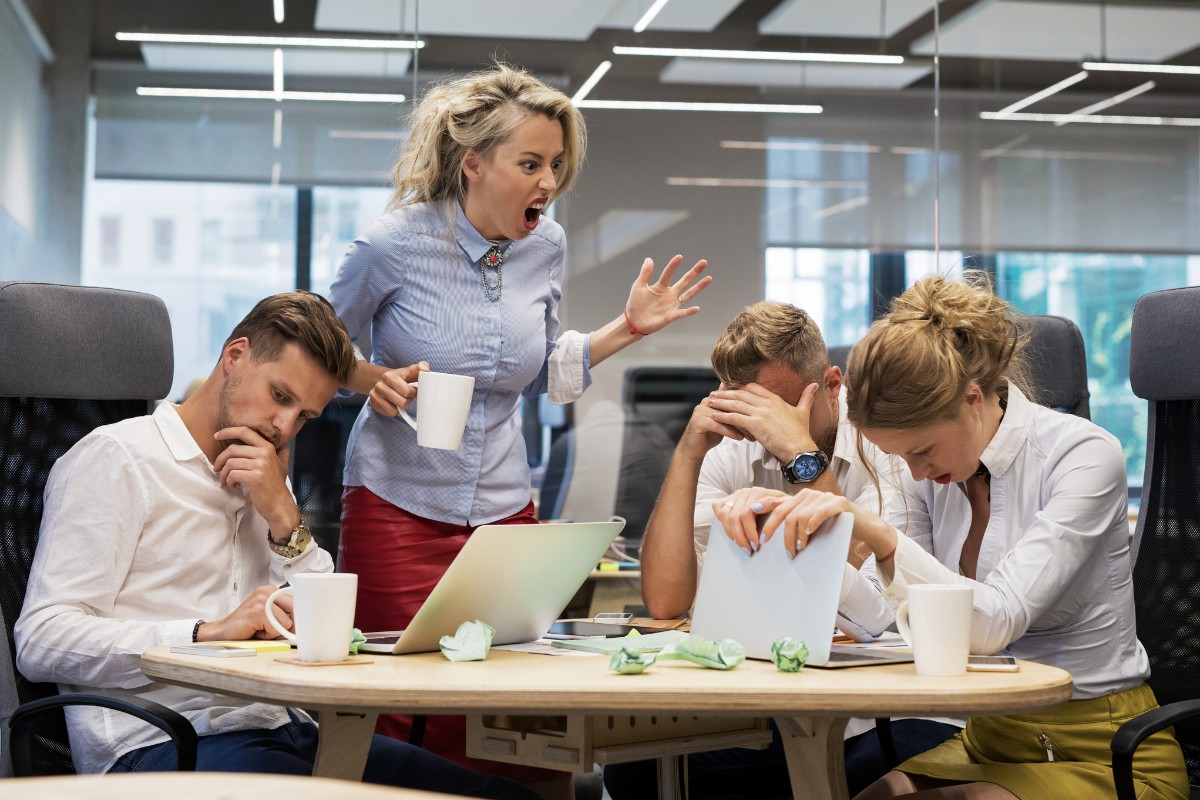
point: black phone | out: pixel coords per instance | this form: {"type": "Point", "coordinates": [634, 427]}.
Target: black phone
{"type": "Point", "coordinates": [570, 628]}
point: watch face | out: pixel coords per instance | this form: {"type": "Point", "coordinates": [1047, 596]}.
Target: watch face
{"type": "Point", "coordinates": [806, 467]}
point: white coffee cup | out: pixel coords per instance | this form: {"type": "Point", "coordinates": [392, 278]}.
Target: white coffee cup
{"type": "Point", "coordinates": [445, 401]}
{"type": "Point", "coordinates": [935, 620]}
{"type": "Point", "coordinates": [323, 613]}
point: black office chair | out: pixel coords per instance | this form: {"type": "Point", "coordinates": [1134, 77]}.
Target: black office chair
{"type": "Point", "coordinates": [71, 358]}
{"type": "Point", "coordinates": [658, 402]}
{"type": "Point", "coordinates": [1164, 369]}
{"type": "Point", "coordinates": [318, 460]}
{"type": "Point", "coordinates": [1057, 364]}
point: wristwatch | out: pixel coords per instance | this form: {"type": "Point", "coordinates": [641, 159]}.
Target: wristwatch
{"type": "Point", "coordinates": [295, 545]}
{"type": "Point", "coordinates": [805, 467]}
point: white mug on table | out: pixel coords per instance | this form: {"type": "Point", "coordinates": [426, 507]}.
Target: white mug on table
{"type": "Point", "coordinates": [445, 401]}
{"type": "Point", "coordinates": [323, 614]}
{"type": "Point", "coordinates": [935, 620]}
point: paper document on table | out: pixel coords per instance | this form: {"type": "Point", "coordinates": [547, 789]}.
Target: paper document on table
{"type": "Point", "coordinates": [651, 642]}
{"type": "Point", "coordinates": [886, 639]}
{"type": "Point", "coordinates": [541, 647]}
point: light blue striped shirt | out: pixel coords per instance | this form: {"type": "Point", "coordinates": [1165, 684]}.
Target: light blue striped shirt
{"type": "Point", "coordinates": [412, 280]}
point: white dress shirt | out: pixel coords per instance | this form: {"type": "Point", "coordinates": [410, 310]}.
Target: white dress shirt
{"type": "Point", "coordinates": [139, 541]}
{"type": "Point", "coordinates": [1054, 578]}
{"type": "Point", "coordinates": [733, 465]}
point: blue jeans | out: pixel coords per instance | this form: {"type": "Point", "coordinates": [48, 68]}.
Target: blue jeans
{"type": "Point", "coordinates": [292, 749]}
{"type": "Point", "coordinates": [739, 772]}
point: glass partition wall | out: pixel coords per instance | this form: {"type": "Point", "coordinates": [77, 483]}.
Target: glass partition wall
{"type": "Point", "coordinates": [831, 212]}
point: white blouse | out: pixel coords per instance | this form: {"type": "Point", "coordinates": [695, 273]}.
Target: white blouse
{"type": "Point", "coordinates": [1054, 576]}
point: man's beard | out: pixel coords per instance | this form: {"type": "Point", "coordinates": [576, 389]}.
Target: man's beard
{"type": "Point", "coordinates": [225, 416]}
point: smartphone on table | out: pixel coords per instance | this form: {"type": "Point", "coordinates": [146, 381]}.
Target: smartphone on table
{"type": "Point", "coordinates": [992, 664]}
{"type": "Point", "coordinates": [213, 650]}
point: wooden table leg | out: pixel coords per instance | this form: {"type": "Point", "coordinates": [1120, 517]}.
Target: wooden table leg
{"type": "Point", "coordinates": [344, 742]}
{"type": "Point", "coordinates": [670, 781]}
{"type": "Point", "coordinates": [815, 756]}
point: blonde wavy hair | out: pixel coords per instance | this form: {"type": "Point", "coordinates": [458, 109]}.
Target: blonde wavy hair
{"type": "Point", "coordinates": [478, 112]}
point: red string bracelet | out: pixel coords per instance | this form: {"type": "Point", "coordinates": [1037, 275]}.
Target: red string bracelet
{"type": "Point", "coordinates": [632, 330]}
{"type": "Point", "coordinates": [888, 557]}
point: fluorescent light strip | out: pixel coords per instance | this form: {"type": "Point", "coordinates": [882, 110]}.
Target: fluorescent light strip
{"type": "Point", "coordinates": [277, 135]}
{"type": "Point", "coordinates": [765, 183]}
{"type": "Point", "coordinates": [269, 41]}
{"type": "Point", "coordinates": [1112, 101]}
{"type": "Point", "coordinates": [278, 61]}
{"type": "Point", "coordinates": [1044, 93]}
{"type": "Point", "coordinates": [278, 12]}
{"type": "Point", "coordinates": [1160, 69]}
{"type": "Point", "coordinates": [652, 105]}
{"type": "Point", "coordinates": [807, 146]}
{"type": "Point", "coordinates": [758, 55]}
{"type": "Point", "coordinates": [276, 169]}
{"type": "Point", "coordinates": [264, 94]}
{"type": "Point", "coordinates": [591, 82]}
{"type": "Point", "coordinates": [649, 16]}
{"type": "Point", "coordinates": [838, 208]}
{"type": "Point", "coordinates": [1095, 119]}
{"type": "Point", "coordinates": [344, 134]}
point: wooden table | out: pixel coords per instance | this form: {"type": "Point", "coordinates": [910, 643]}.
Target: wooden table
{"type": "Point", "coordinates": [811, 708]}
{"type": "Point", "coordinates": [200, 786]}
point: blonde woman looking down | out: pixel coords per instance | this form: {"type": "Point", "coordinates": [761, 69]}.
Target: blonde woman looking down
{"type": "Point", "coordinates": [1025, 505]}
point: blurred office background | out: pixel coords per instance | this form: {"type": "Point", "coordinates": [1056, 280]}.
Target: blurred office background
{"type": "Point", "coordinates": [213, 202]}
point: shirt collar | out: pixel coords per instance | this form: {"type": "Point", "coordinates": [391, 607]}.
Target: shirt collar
{"type": "Point", "coordinates": [1000, 453]}
{"type": "Point", "coordinates": [469, 239]}
{"type": "Point", "coordinates": [176, 435]}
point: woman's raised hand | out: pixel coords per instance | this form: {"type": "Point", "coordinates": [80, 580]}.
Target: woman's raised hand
{"type": "Point", "coordinates": [653, 306]}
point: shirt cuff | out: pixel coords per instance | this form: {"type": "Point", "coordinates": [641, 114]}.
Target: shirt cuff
{"type": "Point", "coordinates": [178, 631]}
{"type": "Point", "coordinates": [569, 371]}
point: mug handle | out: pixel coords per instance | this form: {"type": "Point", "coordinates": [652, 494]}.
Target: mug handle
{"type": "Point", "coordinates": [902, 623]}
{"type": "Point", "coordinates": [412, 423]}
{"type": "Point", "coordinates": [271, 616]}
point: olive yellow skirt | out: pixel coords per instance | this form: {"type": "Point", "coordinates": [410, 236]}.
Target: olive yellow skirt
{"type": "Point", "coordinates": [1014, 752]}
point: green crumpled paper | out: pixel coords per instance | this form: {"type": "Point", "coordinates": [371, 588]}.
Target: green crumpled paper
{"type": "Point", "coordinates": [718, 654]}
{"type": "Point", "coordinates": [630, 661]}
{"type": "Point", "coordinates": [470, 642]}
{"type": "Point", "coordinates": [356, 640]}
{"type": "Point", "coordinates": [788, 654]}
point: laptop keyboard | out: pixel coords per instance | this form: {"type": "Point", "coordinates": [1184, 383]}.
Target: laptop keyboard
{"type": "Point", "coordinates": [390, 638]}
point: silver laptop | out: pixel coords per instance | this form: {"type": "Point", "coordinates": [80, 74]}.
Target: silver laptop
{"type": "Point", "coordinates": [756, 599]}
{"type": "Point", "coordinates": [516, 578]}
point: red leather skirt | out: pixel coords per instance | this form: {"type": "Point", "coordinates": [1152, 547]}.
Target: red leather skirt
{"type": "Point", "coordinates": [399, 557]}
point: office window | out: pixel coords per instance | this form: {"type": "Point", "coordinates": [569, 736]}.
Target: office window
{"type": "Point", "coordinates": [339, 215]}
{"type": "Point", "coordinates": [920, 264]}
{"type": "Point", "coordinates": [1098, 291]}
{"type": "Point", "coordinates": [833, 286]}
{"type": "Point", "coordinates": [208, 288]}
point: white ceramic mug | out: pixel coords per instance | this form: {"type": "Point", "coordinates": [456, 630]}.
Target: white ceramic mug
{"type": "Point", "coordinates": [935, 620]}
{"type": "Point", "coordinates": [323, 614]}
{"type": "Point", "coordinates": [445, 401]}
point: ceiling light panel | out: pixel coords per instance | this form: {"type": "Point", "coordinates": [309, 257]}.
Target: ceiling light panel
{"type": "Point", "coordinates": [257, 61]}
{"type": "Point", "coordinates": [572, 20]}
{"type": "Point", "coordinates": [847, 18]}
{"type": "Point", "coordinates": [794, 76]}
{"type": "Point", "coordinates": [1066, 32]}
{"type": "Point", "coordinates": [677, 15]}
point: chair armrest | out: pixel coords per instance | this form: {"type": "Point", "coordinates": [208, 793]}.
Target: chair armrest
{"type": "Point", "coordinates": [1132, 733]}
{"type": "Point", "coordinates": [174, 724]}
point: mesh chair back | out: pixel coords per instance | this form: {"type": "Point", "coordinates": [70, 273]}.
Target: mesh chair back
{"type": "Point", "coordinates": [1165, 370]}
{"type": "Point", "coordinates": [1057, 364]}
{"type": "Point", "coordinates": [658, 403]}
{"type": "Point", "coordinates": [71, 359]}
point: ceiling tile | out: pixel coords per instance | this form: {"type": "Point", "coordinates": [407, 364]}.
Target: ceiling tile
{"type": "Point", "coordinates": [795, 76]}
{"type": "Point", "coordinates": [855, 18]}
{"type": "Point", "coordinates": [259, 60]}
{"type": "Point", "coordinates": [1021, 29]}
{"type": "Point", "coordinates": [572, 20]}
{"type": "Point", "coordinates": [677, 15]}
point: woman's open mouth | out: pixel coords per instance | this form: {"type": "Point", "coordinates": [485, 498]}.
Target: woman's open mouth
{"type": "Point", "coordinates": [532, 215]}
